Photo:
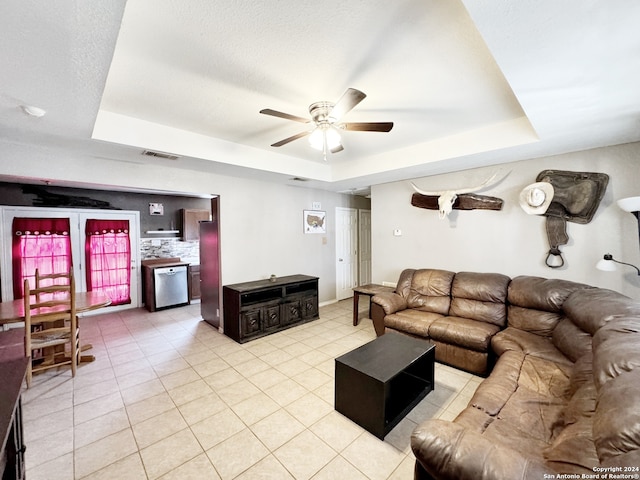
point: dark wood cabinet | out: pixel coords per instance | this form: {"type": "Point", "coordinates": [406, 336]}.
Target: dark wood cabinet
{"type": "Point", "coordinates": [191, 219]}
{"type": "Point", "coordinates": [194, 282]}
{"type": "Point", "coordinates": [254, 309]}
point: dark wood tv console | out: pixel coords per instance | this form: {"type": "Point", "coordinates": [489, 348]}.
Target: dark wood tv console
{"type": "Point", "coordinates": [254, 309]}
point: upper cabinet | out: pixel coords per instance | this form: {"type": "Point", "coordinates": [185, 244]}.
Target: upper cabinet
{"type": "Point", "coordinates": [191, 219]}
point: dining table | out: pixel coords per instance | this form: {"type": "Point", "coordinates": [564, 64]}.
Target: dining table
{"type": "Point", "coordinates": [12, 311]}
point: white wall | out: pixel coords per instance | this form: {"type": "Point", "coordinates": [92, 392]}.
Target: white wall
{"type": "Point", "coordinates": [510, 241]}
{"type": "Point", "coordinates": [260, 222]}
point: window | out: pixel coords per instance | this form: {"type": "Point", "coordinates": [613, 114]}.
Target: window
{"type": "Point", "coordinates": [108, 257]}
{"type": "Point", "coordinates": [42, 243]}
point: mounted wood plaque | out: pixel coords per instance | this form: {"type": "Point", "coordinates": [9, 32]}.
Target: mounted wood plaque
{"type": "Point", "coordinates": [464, 201]}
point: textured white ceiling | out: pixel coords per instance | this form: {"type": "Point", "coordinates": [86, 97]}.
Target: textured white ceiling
{"type": "Point", "coordinates": [466, 83]}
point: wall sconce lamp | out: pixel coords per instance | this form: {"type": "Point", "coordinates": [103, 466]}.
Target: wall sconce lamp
{"type": "Point", "coordinates": [608, 264]}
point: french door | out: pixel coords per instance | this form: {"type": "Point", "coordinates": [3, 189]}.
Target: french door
{"type": "Point", "coordinates": [101, 246]}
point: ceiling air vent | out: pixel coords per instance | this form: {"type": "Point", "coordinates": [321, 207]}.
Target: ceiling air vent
{"type": "Point", "coordinates": [168, 156]}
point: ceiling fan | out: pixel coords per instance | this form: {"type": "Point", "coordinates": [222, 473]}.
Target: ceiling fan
{"type": "Point", "coordinates": [326, 119]}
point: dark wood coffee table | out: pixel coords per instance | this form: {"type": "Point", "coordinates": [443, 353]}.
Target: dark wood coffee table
{"type": "Point", "coordinates": [380, 382]}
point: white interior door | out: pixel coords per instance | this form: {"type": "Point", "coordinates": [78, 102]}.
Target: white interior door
{"type": "Point", "coordinates": [364, 246]}
{"type": "Point", "coordinates": [346, 252]}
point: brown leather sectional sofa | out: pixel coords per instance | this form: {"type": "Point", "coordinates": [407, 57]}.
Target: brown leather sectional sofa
{"type": "Point", "coordinates": [459, 313]}
{"type": "Point", "coordinates": [563, 396]}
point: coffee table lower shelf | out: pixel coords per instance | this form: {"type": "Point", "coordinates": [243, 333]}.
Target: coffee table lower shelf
{"type": "Point", "coordinates": [379, 383]}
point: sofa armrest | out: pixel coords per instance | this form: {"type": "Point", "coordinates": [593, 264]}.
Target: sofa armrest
{"type": "Point", "coordinates": [384, 304]}
{"type": "Point", "coordinates": [390, 302]}
{"type": "Point", "coordinates": [447, 450]}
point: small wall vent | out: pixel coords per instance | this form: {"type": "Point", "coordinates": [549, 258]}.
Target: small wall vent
{"type": "Point", "coordinates": [168, 156]}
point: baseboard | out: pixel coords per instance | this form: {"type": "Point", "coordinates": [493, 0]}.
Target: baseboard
{"type": "Point", "coordinates": [328, 302]}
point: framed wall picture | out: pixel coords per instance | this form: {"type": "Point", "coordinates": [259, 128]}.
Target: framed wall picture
{"type": "Point", "coordinates": [314, 221]}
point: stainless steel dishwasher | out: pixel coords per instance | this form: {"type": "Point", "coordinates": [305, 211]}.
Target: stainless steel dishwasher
{"type": "Point", "coordinates": [171, 286]}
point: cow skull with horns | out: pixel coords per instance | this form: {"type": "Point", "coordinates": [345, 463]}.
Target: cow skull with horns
{"type": "Point", "coordinates": [446, 198]}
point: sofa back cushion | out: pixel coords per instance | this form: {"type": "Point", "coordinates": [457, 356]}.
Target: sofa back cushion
{"type": "Point", "coordinates": [403, 287]}
{"type": "Point", "coordinates": [541, 293]}
{"type": "Point", "coordinates": [535, 303]}
{"type": "Point", "coordinates": [533, 321]}
{"type": "Point", "coordinates": [480, 296]}
{"type": "Point", "coordinates": [616, 373]}
{"type": "Point", "coordinates": [571, 340]}
{"type": "Point", "coordinates": [430, 290]}
{"type": "Point", "coordinates": [592, 308]}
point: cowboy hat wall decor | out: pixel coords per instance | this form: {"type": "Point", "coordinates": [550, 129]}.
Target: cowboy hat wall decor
{"type": "Point", "coordinates": [563, 196]}
{"type": "Point", "coordinates": [536, 198]}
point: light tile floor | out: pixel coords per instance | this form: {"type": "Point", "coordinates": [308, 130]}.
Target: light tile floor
{"type": "Point", "coordinates": [168, 397]}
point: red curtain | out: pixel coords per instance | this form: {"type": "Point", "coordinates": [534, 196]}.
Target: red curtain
{"type": "Point", "coordinates": [42, 243]}
{"type": "Point", "coordinates": [108, 257]}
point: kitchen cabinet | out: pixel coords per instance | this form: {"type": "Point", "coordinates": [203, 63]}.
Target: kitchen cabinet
{"type": "Point", "coordinates": [254, 309]}
{"type": "Point", "coordinates": [165, 283]}
{"type": "Point", "coordinates": [194, 282]}
{"type": "Point", "coordinates": [191, 219]}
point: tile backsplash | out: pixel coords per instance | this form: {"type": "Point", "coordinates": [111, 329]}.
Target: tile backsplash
{"type": "Point", "coordinates": [169, 247]}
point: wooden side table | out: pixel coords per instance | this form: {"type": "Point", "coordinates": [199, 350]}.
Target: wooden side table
{"type": "Point", "coordinates": [370, 290]}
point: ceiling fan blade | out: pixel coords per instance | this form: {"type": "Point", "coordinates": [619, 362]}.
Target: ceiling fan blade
{"type": "Point", "coordinates": [368, 126]}
{"type": "Point", "coordinates": [275, 113]}
{"type": "Point", "coordinates": [290, 139]}
{"type": "Point", "coordinates": [337, 149]}
{"type": "Point", "coordinates": [349, 99]}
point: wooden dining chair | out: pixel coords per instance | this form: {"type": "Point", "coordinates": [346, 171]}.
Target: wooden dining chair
{"type": "Point", "coordinates": [48, 279]}
{"type": "Point", "coordinates": [50, 326]}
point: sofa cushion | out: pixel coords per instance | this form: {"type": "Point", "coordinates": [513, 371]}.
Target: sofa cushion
{"type": "Point", "coordinates": [581, 404]}
{"type": "Point", "coordinates": [541, 293]}
{"type": "Point", "coordinates": [618, 354]}
{"type": "Point", "coordinates": [615, 331]}
{"type": "Point", "coordinates": [571, 340]}
{"type": "Point", "coordinates": [528, 343]}
{"type": "Point", "coordinates": [535, 321]}
{"type": "Point", "coordinates": [616, 422]}
{"type": "Point", "coordinates": [448, 450]}
{"type": "Point", "coordinates": [480, 296]}
{"type": "Point", "coordinates": [546, 378]}
{"type": "Point", "coordinates": [492, 394]}
{"type": "Point", "coordinates": [592, 308]}
{"type": "Point", "coordinates": [582, 372]}
{"type": "Point", "coordinates": [403, 286]}
{"type": "Point", "coordinates": [414, 322]}
{"type": "Point", "coordinates": [573, 451]}
{"type": "Point", "coordinates": [463, 332]}
{"type": "Point", "coordinates": [430, 290]}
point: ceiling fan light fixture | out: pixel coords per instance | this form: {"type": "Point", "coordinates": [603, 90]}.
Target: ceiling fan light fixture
{"type": "Point", "coordinates": [33, 111]}
{"type": "Point", "coordinates": [324, 136]}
